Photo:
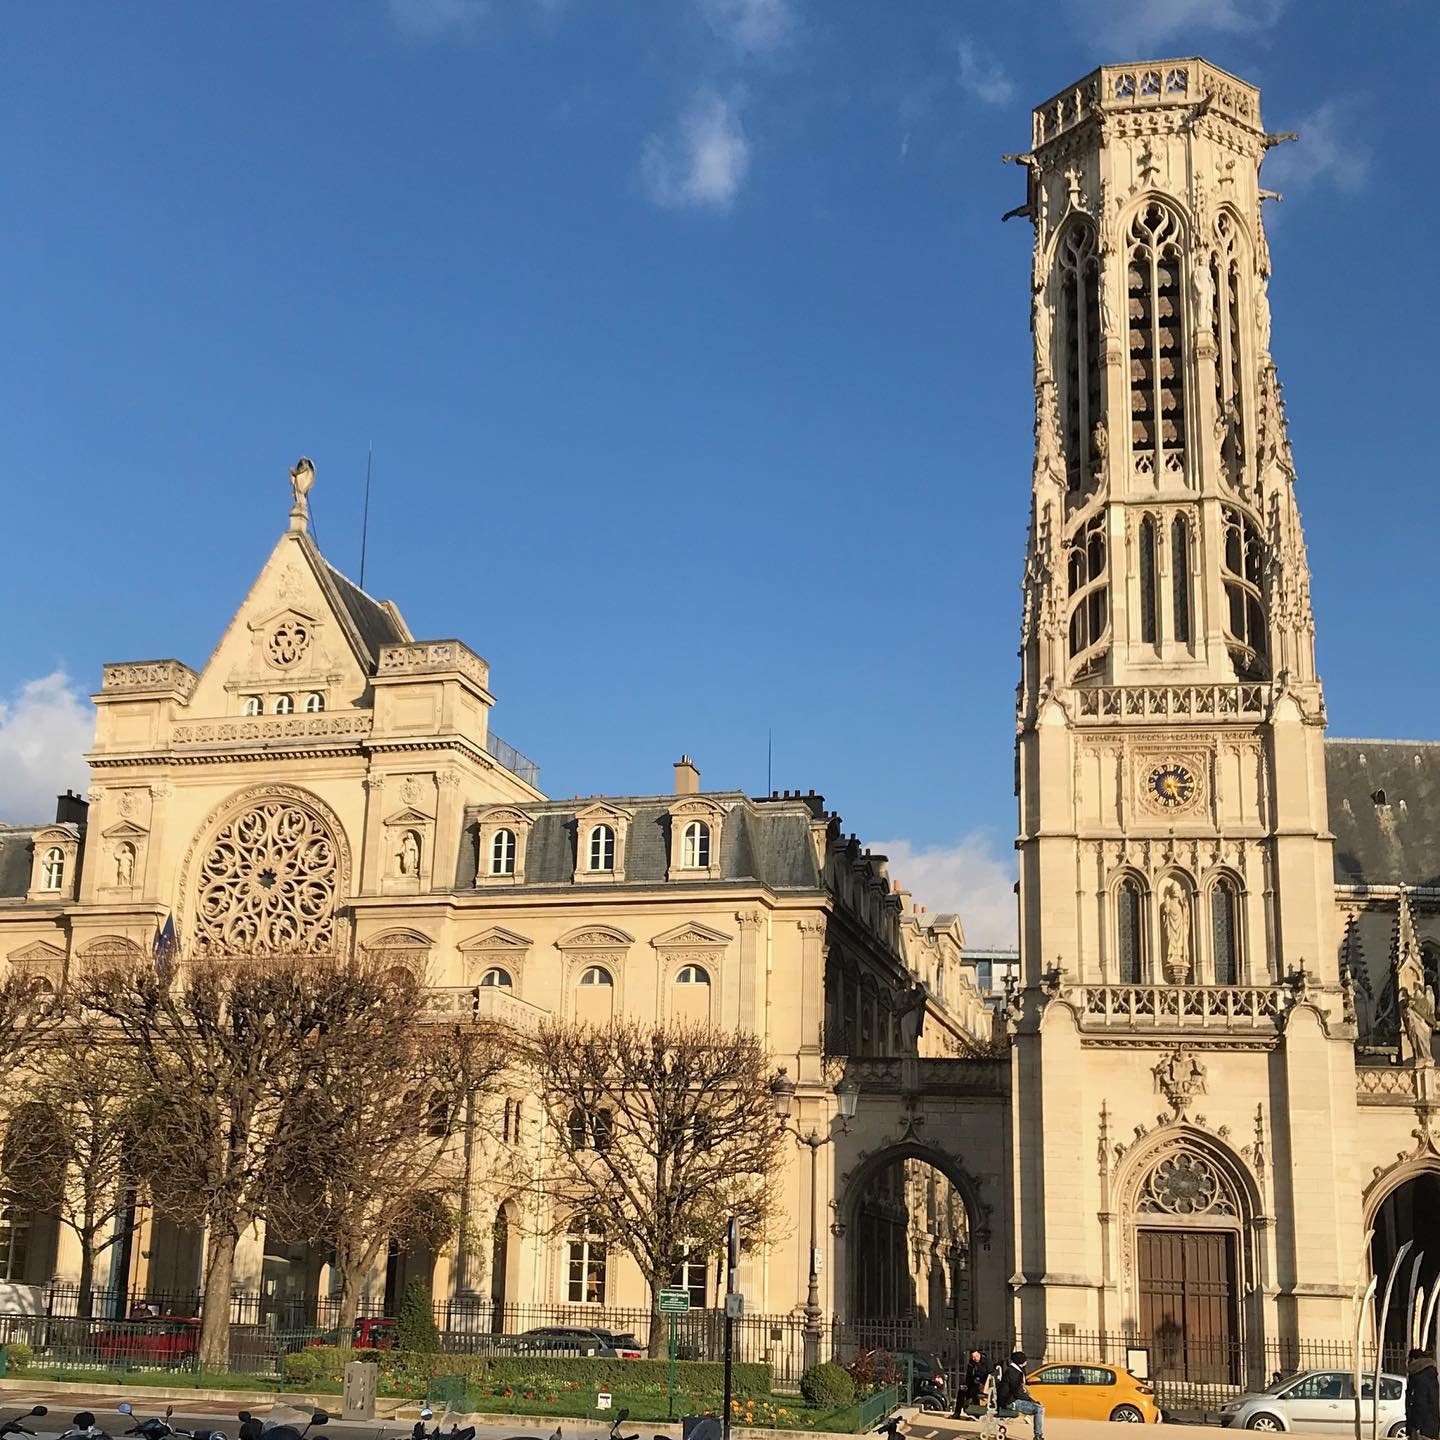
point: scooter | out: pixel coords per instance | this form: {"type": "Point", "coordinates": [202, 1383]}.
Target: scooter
{"type": "Point", "coordinates": [419, 1432]}
{"type": "Point", "coordinates": [83, 1427]}
{"type": "Point", "coordinates": [14, 1427]}
{"type": "Point", "coordinates": [280, 1422]}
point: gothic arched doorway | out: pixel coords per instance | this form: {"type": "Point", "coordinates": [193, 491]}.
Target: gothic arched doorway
{"type": "Point", "coordinates": [909, 1236]}
{"type": "Point", "coordinates": [1409, 1211]}
{"type": "Point", "coordinates": [502, 1246]}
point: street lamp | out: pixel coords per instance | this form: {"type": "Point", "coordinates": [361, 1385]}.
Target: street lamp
{"type": "Point", "coordinates": [782, 1094]}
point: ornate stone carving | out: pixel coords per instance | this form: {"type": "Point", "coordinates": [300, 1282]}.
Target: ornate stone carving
{"type": "Point", "coordinates": [268, 882]}
{"type": "Point", "coordinates": [1175, 933]}
{"type": "Point", "coordinates": [275, 727]}
{"type": "Point", "coordinates": [1184, 1183]}
{"type": "Point", "coordinates": [150, 675]}
{"type": "Point", "coordinates": [287, 642]}
{"type": "Point", "coordinates": [433, 657]}
{"type": "Point", "coordinates": [1180, 1077]}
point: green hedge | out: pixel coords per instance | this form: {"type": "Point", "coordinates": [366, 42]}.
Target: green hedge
{"type": "Point", "coordinates": [402, 1370]}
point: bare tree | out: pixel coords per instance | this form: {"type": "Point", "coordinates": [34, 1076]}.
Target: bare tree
{"type": "Point", "coordinates": [663, 1132]}
{"type": "Point", "coordinates": [30, 1011]}
{"type": "Point", "coordinates": [68, 1148]}
{"type": "Point", "coordinates": [387, 1161]}
{"type": "Point", "coordinates": [228, 1046]}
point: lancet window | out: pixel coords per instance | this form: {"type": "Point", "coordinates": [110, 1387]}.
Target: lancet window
{"type": "Point", "coordinates": [1129, 931]}
{"type": "Point", "coordinates": [1078, 284]}
{"type": "Point", "coordinates": [1149, 591]}
{"type": "Point", "coordinates": [1225, 932]}
{"type": "Point", "coordinates": [1089, 593]}
{"type": "Point", "coordinates": [1243, 558]}
{"type": "Point", "coordinates": [1157, 371]}
{"type": "Point", "coordinates": [1180, 577]}
{"type": "Point", "coordinates": [1227, 281]}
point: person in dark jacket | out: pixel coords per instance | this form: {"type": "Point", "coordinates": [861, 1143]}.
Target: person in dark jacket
{"type": "Point", "coordinates": [1422, 1397]}
{"type": "Point", "coordinates": [1011, 1394]}
{"type": "Point", "coordinates": [971, 1389]}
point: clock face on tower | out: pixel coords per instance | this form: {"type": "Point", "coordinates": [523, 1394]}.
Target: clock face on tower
{"type": "Point", "coordinates": [1172, 785]}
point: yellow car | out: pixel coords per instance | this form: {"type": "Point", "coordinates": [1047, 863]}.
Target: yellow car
{"type": "Point", "coordinates": [1093, 1391]}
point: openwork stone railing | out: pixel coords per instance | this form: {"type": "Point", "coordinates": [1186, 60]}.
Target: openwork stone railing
{"type": "Point", "coordinates": [1172, 702]}
{"type": "Point", "coordinates": [1161, 1007]}
{"type": "Point", "coordinates": [428, 657]}
{"type": "Point", "coordinates": [1139, 87]}
{"type": "Point", "coordinates": [909, 1074]}
{"type": "Point", "coordinates": [274, 727]}
{"type": "Point", "coordinates": [1396, 1085]}
{"type": "Point", "coordinates": [149, 675]}
{"type": "Point", "coordinates": [486, 1002]}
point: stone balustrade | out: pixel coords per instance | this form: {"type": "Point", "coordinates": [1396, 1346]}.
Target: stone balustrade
{"type": "Point", "coordinates": [148, 677]}
{"type": "Point", "coordinates": [1181, 1007]}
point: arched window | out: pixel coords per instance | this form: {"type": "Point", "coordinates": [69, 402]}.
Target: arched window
{"type": "Point", "coordinates": [1180, 577]}
{"type": "Point", "coordinates": [693, 975]}
{"type": "Point", "coordinates": [314, 703]}
{"type": "Point", "coordinates": [596, 975]}
{"type": "Point", "coordinates": [585, 1263]}
{"type": "Point", "coordinates": [1078, 364]}
{"type": "Point", "coordinates": [1129, 931]}
{"type": "Point", "coordinates": [14, 1239]}
{"type": "Point", "coordinates": [502, 853]}
{"type": "Point", "coordinates": [1157, 351]}
{"type": "Point", "coordinates": [590, 1129]}
{"type": "Point", "coordinates": [1089, 595]}
{"type": "Point", "coordinates": [496, 978]}
{"type": "Point", "coordinates": [1149, 594]}
{"type": "Point", "coordinates": [52, 869]}
{"type": "Point", "coordinates": [1243, 567]}
{"type": "Point", "coordinates": [1227, 280]}
{"type": "Point", "coordinates": [284, 705]}
{"type": "Point", "coordinates": [602, 848]}
{"type": "Point", "coordinates": [1225, 932]}
{"type": "Point", "coordinates": [250, 705]}
{"type": "Point", "coordinates": [695, 846]}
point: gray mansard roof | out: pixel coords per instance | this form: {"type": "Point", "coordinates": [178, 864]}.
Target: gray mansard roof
{"type": "Point", "coordinates": [764, 842]}
{"type": "Point", "coordinates": [15, 850]}
{"type": "Point", "coordinates": [1385, 810]}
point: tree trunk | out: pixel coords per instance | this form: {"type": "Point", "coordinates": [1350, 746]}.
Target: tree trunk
{"type": "Point", "coordinates": [659, 1346]}
{"type": "Point", "coordinates": [352, 1281]}
{"type": "Point", "coordinates": [215, 1314]}
{"type": "Point", "coordinates": [85, 1304]}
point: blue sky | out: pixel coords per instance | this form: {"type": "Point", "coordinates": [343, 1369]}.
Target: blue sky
{"type": "Point", "coordinates": [692, 351]}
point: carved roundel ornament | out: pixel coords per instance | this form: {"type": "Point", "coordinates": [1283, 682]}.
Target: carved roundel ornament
{"type": "Point", "coordinates": [288, 641]}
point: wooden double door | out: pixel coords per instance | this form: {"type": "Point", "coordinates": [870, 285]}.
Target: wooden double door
{"type": "Point", "coordinates": [1189, 1303]}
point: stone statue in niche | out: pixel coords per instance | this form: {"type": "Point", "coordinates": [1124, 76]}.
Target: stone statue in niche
{"type": "Point", "coordinates": [1202, 287]}
{"type": "Point", "coordinates": [1417, 1015]}
{"type": "Point", "coordinates": [408, 857]}
{"type": "Point", "coordinates": [1175, 934]}
{"type": "Point", "coordinates": [124, 865]}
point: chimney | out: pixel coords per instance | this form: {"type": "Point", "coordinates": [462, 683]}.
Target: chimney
{"type": "Point", "coordinates": [70, 809]}
{"type": "Point", "coordinates": [687, 776]}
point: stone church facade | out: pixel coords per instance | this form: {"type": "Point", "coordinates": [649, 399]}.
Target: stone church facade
{"type": "Point", "coordinates": [1215, 1073]}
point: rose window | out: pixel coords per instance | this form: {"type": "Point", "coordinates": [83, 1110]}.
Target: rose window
{"type": "Point", "coordinates": [268, 883]}
{"type": "Point", "coordinates": [1184, 1184]}
{"type": "Point", "coordinates": [288, 641]}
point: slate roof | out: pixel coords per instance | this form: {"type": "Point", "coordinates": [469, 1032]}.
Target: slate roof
{"type": "Point", "coordinates": [376, 621]}
{"type": "Point", "coordinates": [15, 854]}
{"type": "Point", "coordinates": [767, 843]}
{"type": "Point", "coordinates": [1385, 810]}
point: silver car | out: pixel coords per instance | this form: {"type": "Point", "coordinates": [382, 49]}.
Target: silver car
{"type": "Point", "coordinates": [1319, 1400]}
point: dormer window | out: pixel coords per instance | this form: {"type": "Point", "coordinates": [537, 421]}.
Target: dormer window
{"type": "Point", "coordinates": [250, 705]}
{"type": "Point", "coordinates": [314, 703]}
{"type": "Point", "coordinates": [695, 846]}
{"type": "Point", "coordinates": [601, 850]}
{"type": "Point", "coordinates": [502, 853]}
{"type": "Point", "coordinates": [284, 705]}
{"type": "Point", "coordinates": [52, 869]}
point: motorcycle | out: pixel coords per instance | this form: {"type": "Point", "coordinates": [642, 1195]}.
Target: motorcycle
{"type": "Point", "coordinates": [280, 1422]}
{"type": "Point", "coordinates": [160, 1428]}
{"type": "Point", "coordinates": [83, 1427]}
{"type": "Point", "coordinates": [419, 1432]}
{"type": "Point", "coordinates": [14, 1427]}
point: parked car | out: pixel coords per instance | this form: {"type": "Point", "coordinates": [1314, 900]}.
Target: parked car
{"type": "Point", "coordinates": [370, 1332]}
{"type": "Point", "coordinates": [624, 1343]}
{"type": "Point", "coordinates": [565, 1340]}
{"type": "Point", "coordinates": [1320, 1400]}
{"type": "Point", "coordinates": [166, 1340]}
{"type": "Point", "coordinates": [1093, 1391]}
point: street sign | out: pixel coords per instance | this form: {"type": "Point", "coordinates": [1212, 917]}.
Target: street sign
{"type": "Point", "coordinates": [674, 1302]}
{"type": "Point", "coordinates": [734, 1307]}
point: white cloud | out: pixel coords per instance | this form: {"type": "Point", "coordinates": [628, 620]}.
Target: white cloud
{"type": "Point", "coordinates": [755, 26]}
{"type": "Point", "coordinates": [704, 162]}
{"type": "Point", "coordinates": [1128, 28]}
{"type": "Point", "coordinates": [434, 19]}
{"type": "Point", "coordinates": [982, 75]}
{"type": "Point", "coordinates": [1329, 152]}
{"type": "Point", "coordinates": [968, 878]}
{"type": "Point", "coordinates": [45, 729]}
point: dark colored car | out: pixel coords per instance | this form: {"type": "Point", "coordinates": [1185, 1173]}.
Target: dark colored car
{"type": "Point", "coordinates": [624, 1343]}
{"type": "Point", "coordinates": [565, 1340]}
{"type": "Point", "coordinates": [165, 1340]}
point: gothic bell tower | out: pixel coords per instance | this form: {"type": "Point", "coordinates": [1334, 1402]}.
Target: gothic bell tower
{"type": "Point", "coordinates": [1176, 892]}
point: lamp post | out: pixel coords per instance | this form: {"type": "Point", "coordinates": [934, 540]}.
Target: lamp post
{"type": "Point", "coordinates": [782, 1093]}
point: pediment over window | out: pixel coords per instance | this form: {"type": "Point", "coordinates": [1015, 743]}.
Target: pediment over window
{"type": "Point", "coordinates": [601, 812]}
{"type": "Point", "coordinates": [37, 955]}
{"type": "Point", "coordinates": [504, 815]}
{"type": "Point", "coordinates": [690, 935]}
{"type": "Point", "coordinates": [393, 940]}
{"type": "Point", "coordinates": [594, 937]}
{"type": "Point", "coordinates": [409, 816]}
{"type": "Point", "coordinates": [495, 938]}
{"type": "Point", "coordinates": [125, 830]}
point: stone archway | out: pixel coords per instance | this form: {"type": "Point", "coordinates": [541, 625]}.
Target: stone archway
{"type": "Point", "coordinates": [1405, 1205]}
{"type": "Point", "coordinates": [912, 1229]}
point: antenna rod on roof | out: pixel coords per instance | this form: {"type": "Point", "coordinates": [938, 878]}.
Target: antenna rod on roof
{"type": "Point", "coordinates": [365, 518]}
{"type": "Point", "coordinates": [769, 753]}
